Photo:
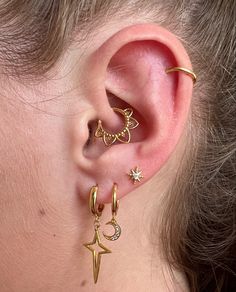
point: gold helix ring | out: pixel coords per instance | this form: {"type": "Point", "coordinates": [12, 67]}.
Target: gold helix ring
{"type": "Point", "coordinates": [186, 71]}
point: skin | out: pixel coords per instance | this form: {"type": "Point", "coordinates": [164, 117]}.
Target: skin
{"type": "Point", "coordinates": [49, 161]}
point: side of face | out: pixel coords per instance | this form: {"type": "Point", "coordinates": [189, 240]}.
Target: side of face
{"type": "Point", "coordinates": [48, 160]}
{"type": "Point", "coordinates": [39, 205]}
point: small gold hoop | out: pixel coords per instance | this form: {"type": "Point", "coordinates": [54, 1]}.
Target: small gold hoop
{"type": "Point", "coordinates": [95, 208]}
{"type": "Point", "coordinates": [115, 202]}
{"type": "Point", "coordinates": [186, 71]}
{"type": "Point", "coordinates": [122, 136]}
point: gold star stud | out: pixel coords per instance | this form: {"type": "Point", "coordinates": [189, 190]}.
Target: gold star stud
{"type": "Point", "coordinates": [96, 255]}
{"type": "Point", "coordinates": [135, 175]}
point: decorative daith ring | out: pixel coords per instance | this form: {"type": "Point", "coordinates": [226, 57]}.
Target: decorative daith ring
{"type": "Point", "coordinates": [122, 136]}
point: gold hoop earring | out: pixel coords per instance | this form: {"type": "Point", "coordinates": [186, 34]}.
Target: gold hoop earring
{"type": "Point", "coordinates": [122, 136]}
{"type": "Point", "coordinates": [186, 71]}
{"type": "Point", "coordinates": [113, 222]}
{"type": "Point", "coordinates": [96, 210]}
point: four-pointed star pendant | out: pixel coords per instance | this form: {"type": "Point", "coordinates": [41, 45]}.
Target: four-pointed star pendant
{"type": "Point", "coordinates": [96, 255]}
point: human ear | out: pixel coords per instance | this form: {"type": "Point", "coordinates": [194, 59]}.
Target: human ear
{"type": "Point", "coordinates": [128, 70]}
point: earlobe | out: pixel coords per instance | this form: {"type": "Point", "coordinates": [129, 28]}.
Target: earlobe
{"type": "Point", "coordinates": [131, 66]}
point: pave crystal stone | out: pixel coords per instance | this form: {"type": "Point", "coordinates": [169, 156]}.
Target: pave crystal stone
{"type": "Point", "coordinates": [136, 174]}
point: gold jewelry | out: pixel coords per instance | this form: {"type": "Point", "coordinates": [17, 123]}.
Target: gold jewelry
{"type": "Point", "coordinates": [122, 136]}
{"type": "Point", "coordinates": [135, 175]}
{"type": "Point", "coordinates": [96, 210]}
{"type": "Point", "coordinates": [113, 222]}
{"type": "Point", "coordinates": [186, 71]}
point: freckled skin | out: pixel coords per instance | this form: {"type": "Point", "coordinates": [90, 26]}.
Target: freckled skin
{"type": "Point", "coordinates": [83, 283]}
{"type": "Point", "coordinates": [39, 207]}
{"type": "Point", "coordinates": [42, 212]}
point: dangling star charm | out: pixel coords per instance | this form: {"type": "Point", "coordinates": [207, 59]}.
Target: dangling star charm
{"type": "Point", "coordinates": [96, 255]}
{"type": "Point", "coordinates": [135, 175]}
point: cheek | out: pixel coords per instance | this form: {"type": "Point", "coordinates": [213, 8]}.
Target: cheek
{"type": "Point", "coordinates": [38, 206]}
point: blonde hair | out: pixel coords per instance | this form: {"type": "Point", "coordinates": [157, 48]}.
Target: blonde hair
{"type": "Point", "coordinates": [199, 229]}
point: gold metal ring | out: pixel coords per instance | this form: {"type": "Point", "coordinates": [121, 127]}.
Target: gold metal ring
{"type": "Point", "coordinates": [95, 208]}
{"type": "Point", "coordinates": [115, 202]}
{"type": "Point", "coordinates": [122, 136]}
{"type": "Point", "coordinates": [186, 71]}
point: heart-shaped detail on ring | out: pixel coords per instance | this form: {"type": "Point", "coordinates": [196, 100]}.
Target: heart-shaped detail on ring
{"type": "Point", "coordinates": [108, 140]}
{"type": "Point", "coordinates": [125, 136]}
{"type": "Point", "coordinates": [132, 124]}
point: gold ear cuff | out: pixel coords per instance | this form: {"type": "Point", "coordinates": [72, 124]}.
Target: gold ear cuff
{"type": "Point", "coordinates": [184, 70]}
{"type": "Point", "coordinates": [122, 136]}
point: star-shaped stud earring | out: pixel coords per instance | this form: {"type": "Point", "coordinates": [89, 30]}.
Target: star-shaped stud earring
{"type": "Point", "coordinates": [96, 255]}
{"type": "Point", "coordinates": [135, 175]}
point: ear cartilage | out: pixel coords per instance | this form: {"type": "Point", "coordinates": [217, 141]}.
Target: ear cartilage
{"type": "Point", "coordinates": [122, 136]}
{"type": "Point", "coordinates": [184, 70]}
{"type": "Point", "coordinates": [136, 175]}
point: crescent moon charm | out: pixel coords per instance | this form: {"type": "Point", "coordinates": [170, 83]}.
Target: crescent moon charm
{"type": "Point", "coordinates": [117, 228]}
